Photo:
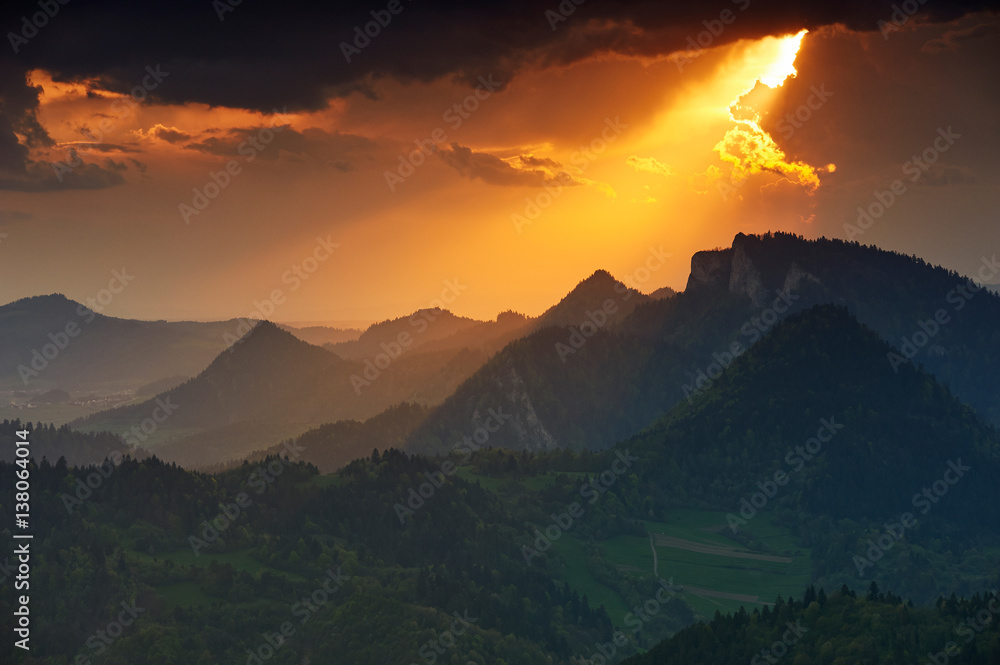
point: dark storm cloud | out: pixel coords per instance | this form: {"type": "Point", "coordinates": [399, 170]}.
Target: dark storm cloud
{"type": "Point", "coordinates": [265, 55]}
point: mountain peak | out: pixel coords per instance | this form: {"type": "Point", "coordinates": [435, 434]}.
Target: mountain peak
{"type": "Point", "coordinates": [600, 276]}
{"type": "Point", "coordinates": [267, 330]}
{"type": "Point", "coordinates": [264, 334]}
{"type": "Point", "coordinates": [510, 316]}
{"type": "Point", "coordinates": [590, 294]}
{"type": "Point", "coordinates": [41, 311]}
{"type": "Point", "coordinates": [42, 302]}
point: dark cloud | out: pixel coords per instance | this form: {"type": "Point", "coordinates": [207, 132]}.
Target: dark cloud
{"type": "Point", "coordinates": [169, 134]}
{"type": "Point", "coordinates": [264, 54]}
{"type": "Point", "coordinates": [20, 173]}
{"type": "Point", "coordinates": [496, 171]}
{"type": "Point", "coordinates": [102, 147]}
{"type": "Point", "coordinates": [953, 39]}
{"type": "Point", "coordinates": [268, 55]}
{"type": "Point", "coordinates": [531, 160]}
{"type": "Point", "coordinates": [311, 145]}
{"type": "Point", "coordinates": [113, 165]}
{"type": "Point", "coordinates": [43, 177]}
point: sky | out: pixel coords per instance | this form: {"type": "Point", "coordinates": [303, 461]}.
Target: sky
{"type": "Point", "coordinates": [277, 161]}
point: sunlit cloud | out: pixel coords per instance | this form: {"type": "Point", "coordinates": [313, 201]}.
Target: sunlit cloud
{"type": "Point", "coordinates": [650, 165]}
{"type": "Point", "coordinates": [747, 148]}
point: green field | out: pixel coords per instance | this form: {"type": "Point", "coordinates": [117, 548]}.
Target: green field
{"type": "Point", "coordinates": [718, 573]}
{"type": "Point", "coordinates": [693, 549]}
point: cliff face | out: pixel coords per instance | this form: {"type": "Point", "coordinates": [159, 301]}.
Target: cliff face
{"type": "Point", "coordinates": [744, 275]}
{"type": "Point", "coordinates": [710, 270]}
{"type": "Point", "coordinates": [741, 270]}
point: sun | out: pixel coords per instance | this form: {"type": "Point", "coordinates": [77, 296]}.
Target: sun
{"type": "Point", "coordinates": [731, 104]}
{"type": "Point", "coordinates": [747, 148]}
{"type": "Point", "coordinates": [783, 64]}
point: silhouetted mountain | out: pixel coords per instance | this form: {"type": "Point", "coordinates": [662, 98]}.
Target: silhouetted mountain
{"type": "Point", "coordinates": [598, 293]}
{"type": "Point", "coordinates": [332, 446]}
{"type": "Point", "coordinates": [269, 377]}
{"type": "Point", "coordinates": [487, 337]}
{"type": "Point", "coordinates": [320, 335]}
{"type": "Point", "coordinates": [591, 386]}
{"type": "Point", "coordinates": [54, 396]}
{"type": "Point", "coordinates": [51, 341]}
{"type": "Point", "coordinates": [896, 295]}
{"type": "Point", "coordinates": [406, 332]}
{"type": "Point", "coordinates": [661, 293]}
{"type": "Point", "coordinates": [270, 386]}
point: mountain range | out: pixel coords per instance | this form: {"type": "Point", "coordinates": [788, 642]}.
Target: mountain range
{"type": "Point", "coordinates": [594, 368]}
{"type": "Point", "coordinates": [807, 419]}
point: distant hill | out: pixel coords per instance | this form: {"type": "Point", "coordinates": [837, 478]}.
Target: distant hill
{"type": "Point", "coordinates": [332, 446]}
{"type": "Point", "coordinates": [590, 296]}
{"type": "Point", "coordinates": [320, 335]}
{"type": "Point", "coordinates": [664, 292]}
{"type": "Point", "coordinates": [270, 386]}
{"type": "Point", "coordinates": [487, 337]}
{"type": "Point", "coordinates": [269, 377]}
{"type": "Point", "coordinates": [59, 343]}
{"type": "Point", "coordinates": [406, 332]}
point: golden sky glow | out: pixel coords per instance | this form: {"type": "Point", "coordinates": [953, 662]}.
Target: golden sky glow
{"type": "Point", "coordinates": [747, 148]}
{"type": "Point", "coordinates": [563, 170]}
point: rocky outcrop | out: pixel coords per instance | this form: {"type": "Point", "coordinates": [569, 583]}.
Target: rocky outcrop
{"type": "Point", "coordinates": [740, 270]}
{"type": "Point", "coordinates": [710, 270]}
{"type": "Point", "coordinates": [524, 429]}
{"type": "Point", "coordinates": [744, 275]}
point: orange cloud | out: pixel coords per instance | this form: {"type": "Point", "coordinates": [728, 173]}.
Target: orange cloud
{"type": "Point", "coordinates": [650, 165]}
{"type": "Point", "coordinates": [748, 148]}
